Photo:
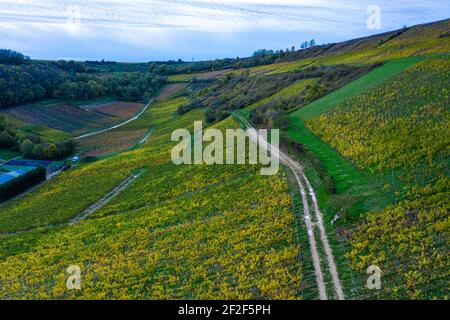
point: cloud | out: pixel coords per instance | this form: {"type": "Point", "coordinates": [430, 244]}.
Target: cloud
{"type": "Point", "coordinates": [210, 15]}
{"type": "Point", "coordinates": [37, 25]}
{"type": "Point", "coordinates": [196, 15]}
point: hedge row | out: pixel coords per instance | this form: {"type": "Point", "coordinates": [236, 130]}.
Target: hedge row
{"type": "Point", "coordinates": [21, 183]}
{"type": "Point", "coordinates": [317, 164]}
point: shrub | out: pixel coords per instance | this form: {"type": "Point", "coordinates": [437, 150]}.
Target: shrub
{"type": "Point", "coordinates": [316, 163]}
{"type": "Point", "coordinates": [16, 186]}
{"type": "Point", "coordinates": [6, 140]}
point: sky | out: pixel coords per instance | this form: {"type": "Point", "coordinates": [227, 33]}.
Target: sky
{"type": "Point", "coordinates": [151, 30]}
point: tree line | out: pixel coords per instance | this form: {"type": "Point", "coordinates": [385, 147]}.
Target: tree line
{"type": "Point", "coordinates": [23, 80]}
{"type": "Point", "coordinates": [258, 58]}
{"type": "Point", "coordinates": [32, 146]}
{"type": "Point", "coordinates": [22, 183]}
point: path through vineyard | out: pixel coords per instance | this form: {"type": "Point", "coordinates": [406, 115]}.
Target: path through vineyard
{"type": "Point", "coordinates": [90, 134]}
{"type": "Point", "coordinates": [90, 210]}
{"type": "Point", "coordinates": [311, 222]}
{"type": "Point", "coordinates": [106, 198]}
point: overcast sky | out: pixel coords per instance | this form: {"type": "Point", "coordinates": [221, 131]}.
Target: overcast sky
{"type": "Point", "coordinates": [144, 30]}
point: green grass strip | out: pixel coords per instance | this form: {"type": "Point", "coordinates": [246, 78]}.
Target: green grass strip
{"type": "Point", "coordinates": [363, 84]}
{"type": "Point", "coordinates": [346, 177]}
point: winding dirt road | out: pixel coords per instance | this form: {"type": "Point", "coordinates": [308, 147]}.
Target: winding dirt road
{"type": "Point", "coordinates": [306, 190]}
{"type": "Point", "coordinates": [90, 134]}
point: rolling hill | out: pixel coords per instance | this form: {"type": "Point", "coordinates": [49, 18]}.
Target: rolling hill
{"type": "Point", "coordinates": [364, 127]}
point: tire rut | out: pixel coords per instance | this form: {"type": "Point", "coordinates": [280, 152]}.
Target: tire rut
{"type": "Point", "coordinates": [303, 181]}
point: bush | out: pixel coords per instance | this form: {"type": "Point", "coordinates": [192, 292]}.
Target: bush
{"type": "Point", "coordinates": [184, 109]}
{"type": "Point", "coordinates": [16, 186]}
{"type": "Point", "coordinates": [89, 159]}
{"type": "Point", "coordinates": [26, 147]}
{"type": "Point", "coordinates": [6, 140]}
{"type": "Point", "coordinates": [316, 163]}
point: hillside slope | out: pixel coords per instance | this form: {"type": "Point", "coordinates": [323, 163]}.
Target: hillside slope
{"type": "Point", "coordinates": [177, 232]}
{"type": "Point", "coordinates": [372, 142]}
{"type": "Point", "coordinates": [400, 128]}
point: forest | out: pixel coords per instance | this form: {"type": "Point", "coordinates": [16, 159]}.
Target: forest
{"type": "Point", "coordinates": [23, 80]}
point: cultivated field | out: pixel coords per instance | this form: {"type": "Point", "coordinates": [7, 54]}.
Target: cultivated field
{"type": "Point", "coordinates": [199, 76]}
{"type": "Point", "coordinates": [397, 128]}
{"type": "Point", "coordinates": [129, 135]}
{"type": "Point", "coordinates": [368, 184]}
{"type": "Point", "coordinates": [74, 119]}
{"type": "Point", "coordinates": [118, 109]}
{"type": "Point", "coordinates": [195, 231]}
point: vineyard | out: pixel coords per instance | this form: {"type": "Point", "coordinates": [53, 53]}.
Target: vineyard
{"type": "Point", "coordinates": [393, 125]}
{"type": "Point", "coordinates": [122, 110]}
{"type": "Point", "coordinates": [177, 232]}
{"type": "Point", "coordinates": [198, 76]}
{"type": "Point", "coordinates": [131, 135]}
{"type": "Point", "coordinates": [364, 179]}
{"type": "Point", "coordinates": [72, 119]}
{"type": "Point", "coordinates": [360, 191]}
{"type": "Point", "coordinates": [64, 198]}
{"type": "Point", "coordinates": [397, 127]}
{"type": "Point", "coordinates": [414, 41]}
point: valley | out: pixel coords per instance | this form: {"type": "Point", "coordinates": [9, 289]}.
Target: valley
{"type": "Point", "coordinates": [364, 179]}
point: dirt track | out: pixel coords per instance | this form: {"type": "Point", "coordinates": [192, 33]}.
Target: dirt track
{"type": "Point", "coordinates": [90, 210]}
{"type": "Point", "coordinates": [117, 125]}
{"type": "Point", "coordinates": [303, 184]}
{"type": "Point", "coordinates": [106, 198]}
